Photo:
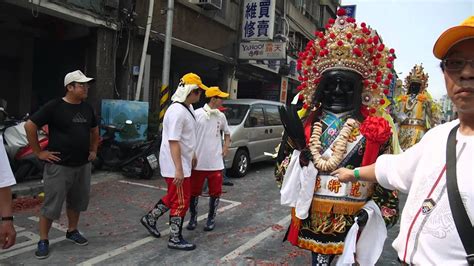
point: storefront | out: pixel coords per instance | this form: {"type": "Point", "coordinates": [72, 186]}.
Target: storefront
{"type": "Point", "coordinates": [38, 48]}
{"type": "Point", "coordinates": [264, 80]}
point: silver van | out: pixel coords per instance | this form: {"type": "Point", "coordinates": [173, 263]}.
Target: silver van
{"type": "Point", "coordinates": [255, 128]}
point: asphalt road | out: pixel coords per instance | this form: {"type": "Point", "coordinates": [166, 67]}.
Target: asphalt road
{"type": "Point", "coordinates": [250, 228]}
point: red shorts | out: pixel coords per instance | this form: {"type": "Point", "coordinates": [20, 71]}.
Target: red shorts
{"type": "Point", "coordinates": [214, 181]}
{"type": "Point", "coordinates": [177, 198]}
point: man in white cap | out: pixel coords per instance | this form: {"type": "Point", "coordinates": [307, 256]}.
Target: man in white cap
{"type": "Point", "coordinates": [73, 141]}
{"type": "Point", "coordinates": [177, 158]}
{"type": "Point", "coordinates": [210, 152]}
{"type": "Point", "coordinates": [437, 173]}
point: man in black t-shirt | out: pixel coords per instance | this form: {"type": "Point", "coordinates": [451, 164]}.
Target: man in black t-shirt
{"type": "Point", "coordinates": [73, 141]}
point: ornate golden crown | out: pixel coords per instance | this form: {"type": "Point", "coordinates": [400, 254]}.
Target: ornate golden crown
{"type": "Point", "coordinates": [345, 45]}
{"type": "Point", "coordinates": [417, 75]}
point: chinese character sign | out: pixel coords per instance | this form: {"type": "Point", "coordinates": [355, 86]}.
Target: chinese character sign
{"type": "Point", "coordinates": [258, 20]}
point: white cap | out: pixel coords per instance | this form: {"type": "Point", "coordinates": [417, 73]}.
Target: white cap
{"type": "Point", "coordinates": [76, 76]}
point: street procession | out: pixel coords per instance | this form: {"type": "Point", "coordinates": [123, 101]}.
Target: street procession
{"type": "Point", "coordinates": [237, 132]}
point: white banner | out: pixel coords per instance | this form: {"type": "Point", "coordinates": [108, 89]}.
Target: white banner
{"type": "Point", "coordinates": [258, 20]}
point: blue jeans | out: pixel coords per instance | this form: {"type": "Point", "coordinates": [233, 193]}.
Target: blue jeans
{"type": "Point", "coordinates": [224, 174]}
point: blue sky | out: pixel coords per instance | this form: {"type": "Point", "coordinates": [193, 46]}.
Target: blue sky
{"type": "Point", "coordinates": [412, 27]}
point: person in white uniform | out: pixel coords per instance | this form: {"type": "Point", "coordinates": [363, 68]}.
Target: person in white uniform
{"type": "Point", "coordinates": [177, 158]}
{"type": "Point", "coordinates": [438, 169]}
{"type": "Point", "coordinates": [7, 231]}
{"type": "Point", "coordinates": [209, 152]}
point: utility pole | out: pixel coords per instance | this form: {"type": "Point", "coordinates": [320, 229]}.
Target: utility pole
{"type": "Point", "coordinates": [145, 48]}
{"type": "Point", "coordinates": [165, 92]}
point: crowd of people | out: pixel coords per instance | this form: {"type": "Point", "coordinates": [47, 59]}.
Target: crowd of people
{"type": "Point", "coordinates": [194, 144]}
{"type": "Point", "coordinates": [337, 165]}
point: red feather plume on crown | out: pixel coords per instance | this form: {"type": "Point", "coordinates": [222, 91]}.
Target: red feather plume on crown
{"type": "Point", "coordinates": [345, 45]}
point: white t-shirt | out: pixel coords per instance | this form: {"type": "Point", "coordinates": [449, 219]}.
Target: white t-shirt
{"type": "Point", "coordinates": [433, 239]}
{"type": "Point", "coordinates": [209, 140]}
{"type": "Point", "coordinates": [6, 176]}
{"type": "Point", "coordinates": [179, 125]}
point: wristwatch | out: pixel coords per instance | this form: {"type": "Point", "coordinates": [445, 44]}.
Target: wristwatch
{"type": "Point", "coordinates": [7, 218]}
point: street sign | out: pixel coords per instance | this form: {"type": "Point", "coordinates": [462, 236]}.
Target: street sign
{"type": "Point", "coordinates": [262, 50]}
{"type": "Point", "coordinates": [258, 20]}
{"type": "Point", "coordinates": [350, 10]}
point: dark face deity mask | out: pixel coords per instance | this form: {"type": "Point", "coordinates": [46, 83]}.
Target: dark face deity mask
{"type": "Point", "coordinates": [414, 88]}
{"type": "Point", "coordinates": [340, 91]}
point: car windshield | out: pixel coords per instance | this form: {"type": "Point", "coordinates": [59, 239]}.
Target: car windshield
{"type": "Point", "coordinates": [235, 113]}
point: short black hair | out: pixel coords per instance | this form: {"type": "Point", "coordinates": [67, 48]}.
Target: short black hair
{"type": "Point", "coordinates": [441, 65]}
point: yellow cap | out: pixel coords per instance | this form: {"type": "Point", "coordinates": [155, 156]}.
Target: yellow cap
{"type": "Point", "coordinates": [452, 36]}
{"type": "Point", "coordinates": [192, 78]}
{"type": "Point", "coordinates": [215, 91]}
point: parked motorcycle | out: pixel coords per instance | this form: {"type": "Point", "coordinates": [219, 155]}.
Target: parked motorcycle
{"type": "Point", "coordinates": [25, 165]}
{"type": "Point", "coordinates": [132, 158]}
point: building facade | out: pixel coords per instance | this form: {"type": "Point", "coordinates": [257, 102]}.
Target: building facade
{"type": "Point", "coordinates": [42, 40]}
{"type": "Point", "coordinates": [206, 41]}
{"type": "Point", "coordinates": [295, 23]}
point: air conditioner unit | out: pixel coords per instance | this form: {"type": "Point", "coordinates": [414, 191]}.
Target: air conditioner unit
{"type": "Point", "coordinates": [208, 4]}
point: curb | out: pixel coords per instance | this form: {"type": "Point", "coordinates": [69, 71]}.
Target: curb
{"type": "Point", "coordinates": [35, 187]}
{"type": "Point", "coordinates": [29, 188]}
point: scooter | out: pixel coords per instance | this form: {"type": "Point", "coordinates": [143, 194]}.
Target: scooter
{"type": "Point", "coordinates": [136, 159]}
{"type": "Point", "coordinates": [25, 165]}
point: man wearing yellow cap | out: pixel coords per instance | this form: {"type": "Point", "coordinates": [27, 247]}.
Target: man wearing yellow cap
{"type": "Point", "coordinates": [209, 151]}
{"type": "Point", "coordinates": [177, 149]}
{"type": "Point", "coordinates": [437, 173]}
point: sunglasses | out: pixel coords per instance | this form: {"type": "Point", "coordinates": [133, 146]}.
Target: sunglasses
{"type": "Point", "coordinates": [456, 64]}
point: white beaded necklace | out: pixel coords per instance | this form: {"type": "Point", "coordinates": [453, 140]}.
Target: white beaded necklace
{"type": "Point", "coordinates": [339, 148]}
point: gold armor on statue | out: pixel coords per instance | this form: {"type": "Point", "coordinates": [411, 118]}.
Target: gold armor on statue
{"type": "Point", "coordinates": [415, 108]}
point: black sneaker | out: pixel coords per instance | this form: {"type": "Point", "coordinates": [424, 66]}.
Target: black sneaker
{"type": "Point", "coordinates": [227, 183]}
{"type": "Point", "coordinates": [150, 225]}
{"type": "Point", "coordinates": [43, 249]}
{"type": "Point", "coordinates": [77, 238]}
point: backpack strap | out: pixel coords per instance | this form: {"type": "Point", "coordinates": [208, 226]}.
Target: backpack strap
{"type": "Point", "coordinates": [187, 108]}
{"type": "Point", "coordinates": [461, 219]}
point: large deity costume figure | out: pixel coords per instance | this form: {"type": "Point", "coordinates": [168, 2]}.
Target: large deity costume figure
{"type": "Point", "coordinates": [345, 74]}
{"type": "Point", "coordinates": [415, 108]}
